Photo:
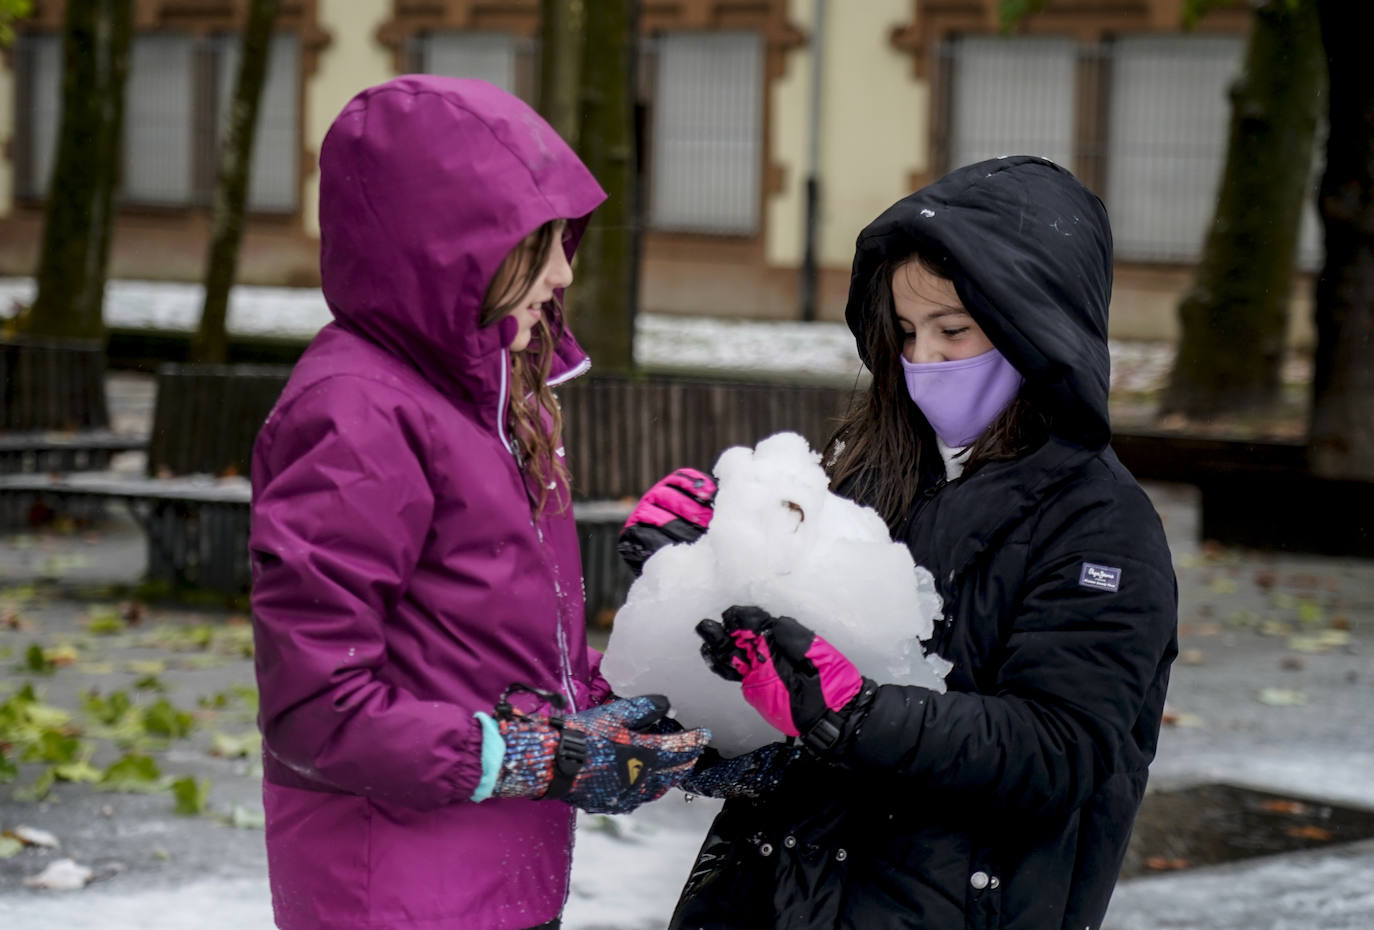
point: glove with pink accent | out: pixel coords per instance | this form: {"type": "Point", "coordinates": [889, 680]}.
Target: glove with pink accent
{"type": "Point", "coordinates": [796, 680]}
{"type": "Point", "coordinates": [677, 509]}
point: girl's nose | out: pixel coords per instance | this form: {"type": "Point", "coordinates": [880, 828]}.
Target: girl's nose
{"type": "Point", "coordinates": [559, 273]}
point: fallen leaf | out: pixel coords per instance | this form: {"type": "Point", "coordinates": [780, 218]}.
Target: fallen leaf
{"type": "Point", "coordinates": [1340, 622]}
{"type": "Point", "coordinates": [32, 836]}
{"type": "Point", "coordinates": [1265, 580]}
{"type": "Point", "coordinates": [1292, 663]}
{"type": "Point", "coordinates": [1284, 806]}
{"type": "Point", "coordinates": [1192, 657]}
{"type": "Point", "coordinates": [1183, 719]}
{"type": "Point", "coordinates": [1165, 864]}
{"type": "Point", "coordinates": [245, 819]}
{"type": "Point", "coordinates": [1224, 585]}
{"type": "Point", "coordinates": [1324, 641]}
{"type": "Point", "coordinates": [1310, 832]}
{"type": "Point", "coordinates": [10, 847]}
{"type": "Point", "coordinates": [61, 875]}
{"type": "Point", "coordinates": [1275, 628]}
{"type": "Point", "coordinates": [233, 747]}
{"type": "Point", "coordinates": [191, 794]}
{"type": "Point", "coordinates": [1282, 697]}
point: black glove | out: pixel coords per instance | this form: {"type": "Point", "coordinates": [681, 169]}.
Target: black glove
{"type": "Point", "coordinates": [677, 509]}
{"type": "Point", "coordinates": [751, 775]}
{"type": "Point", "coordinates": [796, 680]}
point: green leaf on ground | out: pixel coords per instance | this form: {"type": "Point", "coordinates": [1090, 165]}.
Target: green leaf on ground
{"type": "Point", "coordinates": [81, 771]}
{"type": "Point", "coordinates": [164, 719]}
{"type": "Point", "coordinates": [249, 695]}
{"type": "Point", "coordinates": [108, 710]}
{"type": "Point", "coordinates": [38, 790]}
{"type": "Point", "coordinates": [149, 683]}
{"type": "Point", "coordinates": [133, 773]}
{"type": "Point", "coordinates": [94, 668]}
{"type": "Point", "coordinates": [37, 661]}
{"type": "Point", "coordinates": [1324, 641]}
{"type": "Point", "coordinates": [191, 795]}
{"type": "Point", "coordinates": [146, 666]}
{"type": "Point", "coordinates": [245, 745]}
{"type": "Point", "coordinates": [1282, 697]}
{"type": "Point", "coordinates": [54, 746]}
{"type": "Point", "coordinates": [245, 819]}
{"type": "Point", "coordinates": [1311, 614]}
{"type": "Point", "coordinates": [10, 847]}
{"type": "Point", "coordinates": [105, 621]}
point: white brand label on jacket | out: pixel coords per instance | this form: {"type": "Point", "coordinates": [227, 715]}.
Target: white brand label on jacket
{"type": "Point", "coordinates": [1099, 577]}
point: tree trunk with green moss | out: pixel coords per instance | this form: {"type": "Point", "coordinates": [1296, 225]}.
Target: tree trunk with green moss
{"type": "Point", "coordinates": [1234, 317]}
{"type": "Point", "coordinates": [1341, 437]}
{"type": "Point", "coordinates": [211, 341]}
{"type": "Point", "coordinates": [560, 60]}
{"type": "Point", "coordinates": [80, 205]}
{"type": "Point", "coordinates": [603, 297]}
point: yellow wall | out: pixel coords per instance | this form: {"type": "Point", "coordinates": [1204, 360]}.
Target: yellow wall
{"type": "Point", "coordinates": [874, 118]}
{"type": "Point", "coordinates": [352, 61]}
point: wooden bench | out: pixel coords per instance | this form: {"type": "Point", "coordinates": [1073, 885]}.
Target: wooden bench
{"type": "Point", "coordinates": [45, 452]}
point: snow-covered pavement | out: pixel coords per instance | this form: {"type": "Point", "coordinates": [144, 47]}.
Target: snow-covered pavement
{"type": "Point", "coordinates": [823, 349]}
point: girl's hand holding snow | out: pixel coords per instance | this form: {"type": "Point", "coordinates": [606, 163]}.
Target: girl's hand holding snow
{"type": "Point", "coordinates": [677, 509]}
{"type": "Point", "coordinates": [603, 760]}
{"type": "Point", "coordinates": [796, 680]}
{"type": "Point", "coordinates": [752, 775]}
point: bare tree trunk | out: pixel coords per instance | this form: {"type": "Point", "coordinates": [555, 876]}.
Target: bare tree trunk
{"type": "Point", "coordinates": [560, 60]}
{"type": "Point", "coordinates": [604, 296]}
{"type": "Point", "coordinates": [77, 218]}
{"type": "Point", "coordinates": [211, 342]}
{"type": "Point", "coordinates": [1234, 318]}
{"type": "Point", "coordinates": [1341, 435]}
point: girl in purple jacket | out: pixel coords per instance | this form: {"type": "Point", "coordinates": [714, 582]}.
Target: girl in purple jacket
{"type": "Point", "coordinates": [431, 713]}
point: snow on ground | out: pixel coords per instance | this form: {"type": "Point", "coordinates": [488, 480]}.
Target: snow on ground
{"type": "Point", "coordinates": [661, 340]}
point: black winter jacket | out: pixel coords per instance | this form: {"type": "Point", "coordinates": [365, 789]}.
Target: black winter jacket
{"type": "Point", "coordinates": [1006, 802]}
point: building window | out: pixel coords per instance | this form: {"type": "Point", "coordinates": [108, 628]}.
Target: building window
{"type": "Point", "coordinates": [1168, 125]}
{"type": "Point", "coordinates": [158, 111]}
{"type": "Point", "coordinates": [500, 58]}
{"type": "Point", "coordinates": [1153, 143]}
{"type": "Point", "coordinates": [706, 158]}
{"type": "Point", "coordinates": [38, 58]}
{"type": "Point", "coordinates": [275, 179]}
{"type": "Point", "coordinates": [1012, 96]}
{"type": "Point", "coordinates": [175, 110]}
{"type": "Point", "coordinates": [1166, 140]}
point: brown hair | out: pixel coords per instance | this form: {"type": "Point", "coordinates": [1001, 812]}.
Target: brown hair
{"type": "Point", "coordinates": [534, 419]}
{"type": "Point", "coordinates": [883, 441]}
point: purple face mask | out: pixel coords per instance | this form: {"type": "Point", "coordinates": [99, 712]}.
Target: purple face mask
{"type": "Point", "coordinates": [961, 398]}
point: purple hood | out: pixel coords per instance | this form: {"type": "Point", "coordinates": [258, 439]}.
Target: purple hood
{"type": "Point", "coordinates": [400, 582]}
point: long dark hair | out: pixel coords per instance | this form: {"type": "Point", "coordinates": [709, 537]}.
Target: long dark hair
{"type": "Point", "coordinates": [883, 447]}
{"type": "Point", "coordinates": [534, 418]}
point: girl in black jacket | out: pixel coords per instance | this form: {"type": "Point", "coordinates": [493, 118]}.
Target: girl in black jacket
{"type": "Point", "coordinates": [979, 304]}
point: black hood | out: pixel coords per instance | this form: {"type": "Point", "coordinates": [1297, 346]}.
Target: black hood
{"type": "Point", "coordinates": [1030, 253]}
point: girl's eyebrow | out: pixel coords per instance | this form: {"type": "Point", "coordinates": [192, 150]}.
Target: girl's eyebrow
{"type": "Point", "coordinates": [946, 311]}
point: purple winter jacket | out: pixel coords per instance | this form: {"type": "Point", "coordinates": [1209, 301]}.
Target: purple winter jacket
{"type": "Point", "coordinates": [399, 582]}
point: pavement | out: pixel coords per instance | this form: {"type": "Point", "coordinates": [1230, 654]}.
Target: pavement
{"type": "Point", "coordinates": [1273, 691]}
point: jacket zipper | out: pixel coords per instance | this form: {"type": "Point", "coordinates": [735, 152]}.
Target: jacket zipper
{"type": "Point", "coordinates": [513, 445]}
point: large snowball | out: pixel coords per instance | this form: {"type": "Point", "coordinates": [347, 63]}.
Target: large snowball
{"type": "Point", "coordinates": [779, 540]}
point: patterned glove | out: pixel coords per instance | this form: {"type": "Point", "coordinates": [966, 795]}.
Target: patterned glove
{"type": "Point", "coordinates": [796, 680]}
{"type": "Point", "coordinates": [601, 760]}
{"type": "Point", "coordinates": [676, 509]}
{"type": "Point", "coordinates": [751, 775]}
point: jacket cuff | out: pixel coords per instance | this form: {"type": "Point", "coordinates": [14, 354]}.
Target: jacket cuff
{"type": "Point", "coordinates": [493, 754]}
